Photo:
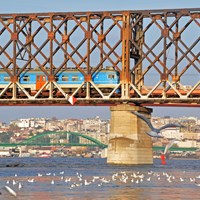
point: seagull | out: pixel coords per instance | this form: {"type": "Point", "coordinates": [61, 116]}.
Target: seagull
{"type": "Point", "coordinates": [197, 184]}
{"type": "Point", "coordinates": [169, 180]}
{"type": "Point", "coordinates": [155, 132]}
{"type": "Point", "coordinates": [14, 182]}
{"type": "Point", "coordinates": [68, 179]}
{"type": "Point", "coordinates": [30, 180]}
{"type": "Point", "coordinates": [87, 183]}
{"type": "Point", "coordinates": [11, 191]}
{"type": "Point", "coordinates": [39, 174]}
{"type": "Point", "coordinates": [20, 186]}
{"type": "Point", "coordinates": [137, 181]}
{"type": "Point", "coordinates": [148, 179]}
{"type": "Point", "coordinates": [181, 179]}
{"type": "Point", "coordinates": [170, 144]}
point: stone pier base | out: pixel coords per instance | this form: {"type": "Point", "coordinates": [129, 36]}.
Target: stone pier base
{"type": "Point", "coordinates": [128, 142]}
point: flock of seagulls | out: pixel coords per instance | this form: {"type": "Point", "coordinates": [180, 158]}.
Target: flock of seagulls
{"type": "Point", "coordinates": [134, 179]}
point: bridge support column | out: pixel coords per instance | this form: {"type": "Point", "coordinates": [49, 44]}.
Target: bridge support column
{"type": "Point", "coordinates": [128, 142]}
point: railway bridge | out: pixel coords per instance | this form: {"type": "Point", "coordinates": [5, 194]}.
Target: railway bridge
{"type": "Point", "coordinates": [124, 59]}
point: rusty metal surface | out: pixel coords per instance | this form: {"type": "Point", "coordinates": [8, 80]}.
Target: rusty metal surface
{"type": "Point", "coordinates": [156, 53]}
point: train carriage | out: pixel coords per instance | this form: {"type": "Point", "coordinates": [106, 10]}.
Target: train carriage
{"type": "Point", "coordinates": [68, 80]}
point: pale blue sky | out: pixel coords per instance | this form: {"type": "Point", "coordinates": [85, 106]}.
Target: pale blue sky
{"type": "Point", "coordinates": [35, 6]}
{"type": "Point", "coordinates": [91, 5]}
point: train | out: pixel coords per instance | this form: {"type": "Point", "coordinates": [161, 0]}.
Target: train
{"type": "Point", "coordinates": [105, 80]}
{"type": "Point", "coordinates": [32, 80]}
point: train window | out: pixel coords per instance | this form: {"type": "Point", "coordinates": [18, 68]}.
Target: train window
{"type": "Point", "coordinates": [26, 78]}
{"type": "Point", "coordinates": [6, 78]}
{"type": "Point", "coordinates": [75, 78]}
{"type": "Point", "coordinates": [111, 76]}
{"type": "Point", "coordinates": [65, 78]}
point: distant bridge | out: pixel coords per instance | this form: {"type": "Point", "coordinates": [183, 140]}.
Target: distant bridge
{"type": "Point", "coordinates": [49, 138]}
{"type": "Point", "coordinates": [74, 139]}
{"type": "Point", "coordinates": [155, 148]}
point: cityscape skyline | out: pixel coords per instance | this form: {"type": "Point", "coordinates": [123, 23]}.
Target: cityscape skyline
{"type": "Point", "coordinates": [20, 130]}
{"type": "Point", "coordinates": [22, 6]}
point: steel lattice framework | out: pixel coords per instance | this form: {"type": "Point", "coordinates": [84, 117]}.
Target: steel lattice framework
{"type": "Point", "coordinates": [156, 53]}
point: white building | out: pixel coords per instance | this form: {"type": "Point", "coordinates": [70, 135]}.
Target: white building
{"type": "Point", "coordinates": [32, 123]}
{"type": "Point", "coordinates": [4, 151]}
{"type": "Point", "coordinates": [23, 123]}
{"type": "Point", "coordinates": [172, 132]}
{"type": "Point", "coordinates": [187, 143]}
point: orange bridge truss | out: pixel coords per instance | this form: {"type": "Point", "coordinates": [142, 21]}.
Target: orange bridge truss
{"type": "Point", "coordinates": [154, 52]}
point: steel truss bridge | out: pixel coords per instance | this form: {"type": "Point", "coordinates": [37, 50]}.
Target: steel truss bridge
{"type": "Point", "coordinates": [64, 139]}
{"type": "Point", "coordinates": [155, 52]}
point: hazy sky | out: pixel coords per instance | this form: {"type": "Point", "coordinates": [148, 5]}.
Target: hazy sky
{"type": "Point", "coordinates": [91, 5]}
{"type": "Point", "coordinates": [24, 6]}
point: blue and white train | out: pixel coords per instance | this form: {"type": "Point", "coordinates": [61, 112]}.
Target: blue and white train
{"type": "Point", "coordinates": [32, 80]}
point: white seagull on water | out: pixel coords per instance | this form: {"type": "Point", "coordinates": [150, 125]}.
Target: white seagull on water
{"type": "Point", "coordinates": [155, 132]}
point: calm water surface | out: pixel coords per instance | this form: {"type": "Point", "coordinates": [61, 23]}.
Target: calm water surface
{"type": "Point", "coordinates": [93, 178]}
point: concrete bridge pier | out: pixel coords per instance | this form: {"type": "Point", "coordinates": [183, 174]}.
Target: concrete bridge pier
{"type": "Point", "coordinates": [128, 142]}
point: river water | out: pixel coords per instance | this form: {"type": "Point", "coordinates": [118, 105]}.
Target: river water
{"type": "Point", "coordinates": [93, 178]}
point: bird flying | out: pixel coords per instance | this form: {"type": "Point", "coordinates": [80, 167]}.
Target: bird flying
{"type": "Point", "coordinates": [170, 144]}
{"type": "Point", "coordinates": [155, 132]}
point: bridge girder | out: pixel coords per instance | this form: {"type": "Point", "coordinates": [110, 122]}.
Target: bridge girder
{"type": "Point", "coordinates": [155, 52]}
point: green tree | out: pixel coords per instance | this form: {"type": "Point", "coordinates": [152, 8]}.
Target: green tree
{"type": "Point", "coordinates": [5, 136]}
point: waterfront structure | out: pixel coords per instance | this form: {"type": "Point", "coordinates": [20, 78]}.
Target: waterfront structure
{"type": "Point", "coordinates": [128, 141]}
